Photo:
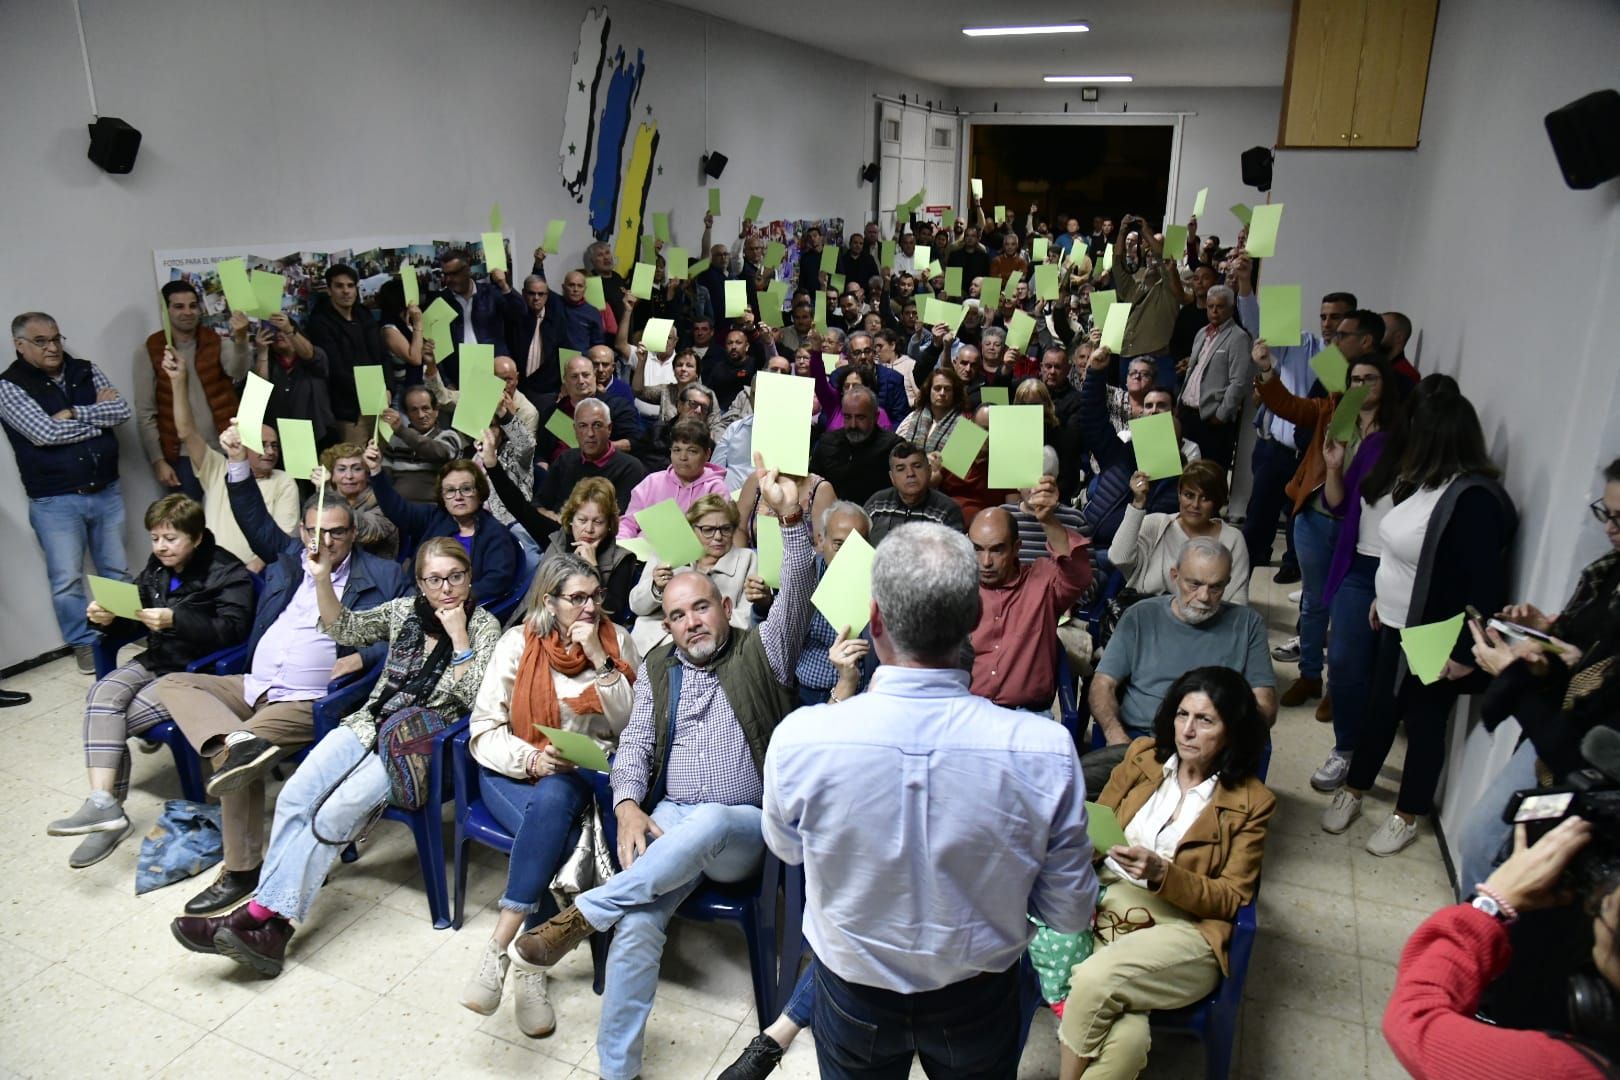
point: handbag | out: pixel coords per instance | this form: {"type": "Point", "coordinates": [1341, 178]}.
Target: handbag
{"type": "Point", "coordinates": [588, 865]}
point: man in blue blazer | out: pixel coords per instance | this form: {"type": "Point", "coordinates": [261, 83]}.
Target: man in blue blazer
{"type": "Point", "coordinates": [245, 723]}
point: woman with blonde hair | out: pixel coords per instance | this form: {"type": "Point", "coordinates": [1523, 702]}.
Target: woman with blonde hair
{"type": "Point", "coordinates": [345, 465]}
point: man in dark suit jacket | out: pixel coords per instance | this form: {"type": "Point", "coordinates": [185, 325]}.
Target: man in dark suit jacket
{"type": "Point", "coordinates": [495, 307]}
{"type": "Point", "coordinates": [1220, 377]}
{"type": "Point", "coordinates": [539, 335]}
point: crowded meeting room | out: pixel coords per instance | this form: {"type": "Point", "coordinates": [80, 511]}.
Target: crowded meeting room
{"type": "Point", "coordinates": [1022, 541]}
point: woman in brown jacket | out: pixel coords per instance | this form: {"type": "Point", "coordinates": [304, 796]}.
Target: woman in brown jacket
{"type": "Point", "coordinates": [1194, 815]}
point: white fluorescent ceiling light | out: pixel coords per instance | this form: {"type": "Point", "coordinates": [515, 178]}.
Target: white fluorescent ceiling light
{"type": "Point", "coordinates": [1088, 78]}
{"type": "Point", "coordinates": [1021, 31]}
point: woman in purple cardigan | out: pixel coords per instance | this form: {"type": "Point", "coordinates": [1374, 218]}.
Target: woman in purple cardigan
{"type": "Point", "coordinates": [1348, 588]}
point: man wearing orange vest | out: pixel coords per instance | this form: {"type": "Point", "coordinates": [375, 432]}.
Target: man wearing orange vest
{"type": "Point", "coordinates": [219, 363]}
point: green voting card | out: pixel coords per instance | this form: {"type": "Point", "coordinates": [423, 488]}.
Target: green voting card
{"type": "Point", "coordinates": [267, 291]}
{"type": "Point", "coordinates": [439, 311]}
{"type": "Point", "coordinates": [844, 596]}
{"type": "Point", "coordinates": [1001, 214]}
{"type": "Point", "coordinates": [233, 278]}
{"type": "Point", "coordinates": [961, 450]}
{"type": "Point", "coordinates": [1046, 281]}
{"type": "Point", "coordinates": [836, 281]}
{"type": "Point", "coordinates": [1113, 330]}
{"type": "Point", "coordinates": [993, 395]}
{"type": "Point", "coordinates": [775, 250]}
{"type": "Point", "coordinates": [829, 261]}
{"type": "Point", "coordinates": [593, 293]}
{"type": "Point", "coordinates": [948, 312]}
{"type": "Point", "coordinates": [714, 201]}
{"type": "Point", "coordinates": [1279, 314]}
{"type": "Point", "coordinates": [886, 255]}
{"type": "Point", "coordinates": [655, 335]}
{"type": "Point", "coordinates": [298, 455]}
{"type": "Point", "coordinates": [1241, 212]}
{"type": "Point", "coordinates": [770, 305]}
{"type": "Point", "coordinates": [935, 270]}
{"type": "Point", "coordinates": [250, 412]}
{"type": "Point", "coordinates": [1343, 425]}
{"type": "Point", "coordinates": [667, 530]}
{"type": "Point", "coordinates": [495, 219]}
{"type": "Point", "coordinates": [163, 317]}
{"type": "Point", "coordinates": [694, 269]}
{"type": "Point", "coordinates": [578, 748]}
{"type": "Point", "coordinates": [1013, 279]}
{"type": "Point", "coordinates": [990, 295]}
{"type": "Point", "coordinates": [444, 345]}
{"type": "Point", "coordinates": [1038, 249]}
{"type": "Point", "coordinates": [1101, 301]}
{"type": "Point", "coordinates": [561, 426]}
{"type": "Point", "coordinates": [1175, 242]}
{"type": "Point", "coordinates": [953, 281]}
{"type": "Point", "coordinates": [924, 304]}
{"type": "Point", "coordinates": [1102, 826]}
{"type": "Point", "coordinates": [1332, 369]}
{"type": "Point", "coordinates": [1199, 200]}
{"type": "Point", "coordinates": [977, 186]}
{"type": "Point", "coordinates": [1019, 330]}
{"type": "Point", "coordinates": [475, 408]}
{"type": "Point", "coordinates": [821, 310]}
{"type": "Point", "coordinates": [494, 251]}
{"type": "Point", "coordinates": [830, 361]}
{"type": "Point", "coordinates": [1108, 257]}
{"type": "Point", "coordinates": [554, 235]}
{"type": "Point", "coordinates": [782, 421]}
{"type": "Point", "coordinates": [637, 546]}
{"type": "Point", "coordinates": [1154, 440]}
{"type": "Point", "coordinates": [1263, 223]}
{"type": "Point", "coordinates": [676, 262]}
{"type": "Point", "coordinates": [119, 597]}
{"type": "Point", "coordinates": [661, 225]}
{"type": "Point", "coordinates": [477, 357]}
{"type": "Point", "coordinates": [1015, 445]}
{"type": "Point", "coordinates": [411, 285]}
{"type": "Point", "coordinates": [641, 280]}
{"type": "Point", "coordinates": [1428, 647]}
{"type": "Point", "coordinates": [947, 220]}
{"type": "Point", "coordinates": [768, 542]}
{"type": "Point", "coordinates": [371, 388]}
{"type": "Point", "coordinates": [756, 203]}
{"type": "Point", "coordinates": [736, 298]}
{"type": "Point", "coordinates": [649, 248]}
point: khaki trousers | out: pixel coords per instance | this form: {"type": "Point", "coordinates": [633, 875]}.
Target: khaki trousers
{"type": "Point", "coordinates": [209, 707]}
{"type": "Point", "coordinates": [1164, 966]}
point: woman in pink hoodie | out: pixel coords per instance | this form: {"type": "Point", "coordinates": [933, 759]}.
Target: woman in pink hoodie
{"type": "Point", "coordinates": [688, 478]}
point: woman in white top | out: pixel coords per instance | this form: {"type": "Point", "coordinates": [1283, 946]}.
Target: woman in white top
{"type": "Point", "coordinates": [564, 666]}
{"type": "Point", "coordinates": [1194, 813]}
{"type": "Point", "coordinates": [714, 518]}
{"type": "Point", "coordinates": [1147, 546]}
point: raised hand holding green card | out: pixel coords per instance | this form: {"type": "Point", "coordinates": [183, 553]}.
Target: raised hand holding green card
{"type": "Point", "coordinates": [594, 295]}
{"type": "Point", "coordinates": [1019, 330]}
{"type": "Point", "coordinates": [1280, 307]}
{"type": "Point", "coordinates": [238, 287]}
{"type": "Point", "coordinates": [1113, 328]}
{"type": "Point", "coordinates": [641, 281]}
{"type": "Point", "coordinates": [1263, 224]}
{"type": "Point", "coordinates": [1343, 425]}
{"type": "Point", "coordinates": [961, 450]}
{"type": "Point", "coordinates": [736, 298]}
{"type": "Point", "coordinates": [1332, 369]}
{"type": "Point", "coordinates": [561, 426]}
{"type": "Point", "coordinates": [298, 455]}
{"type": "Point", "coordinates": [494, 251]}
{"type": "Point", "coordinates": [1154, 440]}
{"type": "Point", "coordinates": [844, 596]}
{"type": "Point", "coordinates": [782, 405]}
{"type": "Point", "coordinates": [250, 413]}
{"type": "Point", "coordinates": [1015, 445]}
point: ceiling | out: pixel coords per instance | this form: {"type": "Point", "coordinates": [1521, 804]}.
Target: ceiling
{"type": "Point", "coordinates": [1160, 42]}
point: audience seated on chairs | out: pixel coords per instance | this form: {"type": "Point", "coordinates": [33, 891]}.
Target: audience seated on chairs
{"type": "Point", "coordinates": [815, 671]}
{"type": "Point", "coordinates": [207, 464]}
{"type": "Point", "coordinates": [689, 477]}
{"type": "Point", "coordinates": [941, 402]}
{"type": "Point", "coordinates": [1161, 637]}
{"type": "Point", "coordinates": [1015, 644]}
{"type": "Point", "coordinates": [345, 463]}
{"type": "Point", "coordinates": [620, 422]}
{"type": "Point", "coordinates": [692, 758]}
{"type": "Point", "coordinates": [513, 406]}
{"type": "Point", "coordinates": [420, 447]}
{"type": "Point", "coordinates": [439, 644]}
{"type": "Point", "coordinates": [597, 455]}
{"type": "Point", "coordinates": [691, 402]}
{"type": "Point", "coordinates": [460, 515]}
{"type": "Point", "coordinates": [1031, 535]}
{"type": "Point", "coordinates": [1147, 546]}
{"type": "Point", "coordinates": [244, 723]}
{"type": "Point", "coordinates": [1195, 815]}
{"type": "Point", "coordinates": [564, 666]}
{"type": "Point", "coordinates": [855, 458]}
{"type": "Point", "coordinates": [727, 565]}
{"type": "Point", "coordinates": [196, 598]}
{"type": "Point", "coordinates": [910, 495]}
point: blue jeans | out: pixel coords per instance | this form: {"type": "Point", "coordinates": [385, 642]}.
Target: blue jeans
{"type": "Point", "coordinates": [723, 843]}
{"type": "Point", "coordinates": [67, 527]}
{"type": "Point", "coordinates": [1273, 464]}
{"type": "Point", "coordinates": [1351, 652]}
{"type": "Point", "coordinates": [1314, 536]}
{"type": "Point", "coordinates": [543, 817]}
{"type": "Point", "coordinates": [296, 865]}
{"type": "Point", "coordinates": [966, 1031]}
{"type": "Point", "coordinates": [1485, 839]}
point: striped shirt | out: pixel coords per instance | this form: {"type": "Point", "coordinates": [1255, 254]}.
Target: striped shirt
{"type": "Point", "coordinates": [710, 761]}
{"type": "Point", "coordinates": [23, 414]}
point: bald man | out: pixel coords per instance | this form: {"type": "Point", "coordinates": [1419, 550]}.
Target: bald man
{"type": "Point", "coordinates": [1015, 646]}
{"type": "Point", "coordinates": [579, 383]}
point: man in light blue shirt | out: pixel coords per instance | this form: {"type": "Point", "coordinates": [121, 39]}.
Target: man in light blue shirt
{"type": "Point", "coordinates": [930, 823]}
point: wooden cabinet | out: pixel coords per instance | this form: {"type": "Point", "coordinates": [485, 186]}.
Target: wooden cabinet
{"type": "Point", "coordinates": [1357, 71]}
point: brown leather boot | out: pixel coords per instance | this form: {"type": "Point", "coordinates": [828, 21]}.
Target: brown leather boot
{"type": "Point", "coordinates": [1300, 692]}
{"type": "Point", "coordinates": [197, 934]}
{"type": "Point", "coordinates": [1324, 710]}
{"type": "Point", "coordinates": [261, 946]}
{"type": "Point", "coordinates": [553, 939]}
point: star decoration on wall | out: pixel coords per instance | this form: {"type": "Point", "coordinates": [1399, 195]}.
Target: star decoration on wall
{"type": "Point", "coordinates": [660, 170]}
{"type": "Point", "coordinates": [649, 110]}
{"type": "Point", "coordinates": [570, 149]}
{"type": "Point", "coordinates": [581, 85]}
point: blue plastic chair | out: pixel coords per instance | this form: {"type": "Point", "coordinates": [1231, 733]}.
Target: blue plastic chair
{"type": "Point", "coordinates": [503, 608]}
{"type": "Point", "coordinates": [1068, 701]}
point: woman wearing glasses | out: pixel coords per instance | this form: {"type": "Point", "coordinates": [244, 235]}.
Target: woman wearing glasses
{"type": "Point", "coordinates": [1194, 814]}
{"type": "Point", "coordinates": [438, 647]}
{"type": "Point", "coordinates": [460, 515]}
{"type": "Point", "coordinates": [565, 666]}
{"type": "Point", "coordinates": [714, 518]}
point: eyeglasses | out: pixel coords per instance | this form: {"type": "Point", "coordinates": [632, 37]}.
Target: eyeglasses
{"type": "Point", "coordinates": [859, 353]}
{"type": "Point", "coordinates": [339, 534]}
{"type": "Point", "coordinates": [1365, 380]}
{"type": "Point", "coordinates": [580, 599]}
{"type": "Point", "coordinates": [1111, 925]}
{"type": "Point", "coordinates": [57, 342]}
{"type": "Point", "coordinates": [457, 578]}
{"type": "Point", "coordinates": [1604, 514]}
{"type": "Point", "coordinates": [713, 532]}
{"type": "Point", "coordinates": [465, 491]}
{"type": "Point", "coordinates": [1141, 374]}
{"type": "Point", "coordinates": [696, 406]}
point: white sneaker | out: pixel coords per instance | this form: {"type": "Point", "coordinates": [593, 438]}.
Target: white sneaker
{"type": "Point", "coordinates": [1330, 777]}
{"type": "Point", "coordinates": [482, 994]}
{"type": "Point", "coordinates": [531, 1005]}
{"type": "Point", "coordinates": [1295, 596]}
{"type": "Point", "coordinates": [1393, 836]}
{"type": "Point", "coordinates": [1344, 809]}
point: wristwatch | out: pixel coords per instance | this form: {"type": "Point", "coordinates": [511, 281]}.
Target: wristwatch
{"type": "Point", "coordinates": [1494, 908]}
{"type": "Point", "coordinates": [606, 667]}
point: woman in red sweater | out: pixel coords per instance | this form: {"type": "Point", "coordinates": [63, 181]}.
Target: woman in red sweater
{"type": "Point", "coordinates": [1460, 950]}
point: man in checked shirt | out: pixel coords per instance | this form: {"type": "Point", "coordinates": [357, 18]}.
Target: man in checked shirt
{"type": "Point", "coordinates": [687, 779]}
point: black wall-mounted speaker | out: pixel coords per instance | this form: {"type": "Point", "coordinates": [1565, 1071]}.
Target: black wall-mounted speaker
{"type": "Point", "coordinates": [1257, 168]}
{"type": "Point", "coordinates": [870, 173]}
{"type": "Point", "coordinates": [114, 144]}
{"type": "Point", "coordinates": [1585, 136]}
{"type": "Point", "coordinates": [714, 164]}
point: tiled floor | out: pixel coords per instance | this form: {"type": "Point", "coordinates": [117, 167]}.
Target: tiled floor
{"type": "Point", "coordinates": [91, 982]}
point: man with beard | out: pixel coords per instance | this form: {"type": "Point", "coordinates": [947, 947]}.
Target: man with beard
{"type": "Point", "coordinates": [855, 458]}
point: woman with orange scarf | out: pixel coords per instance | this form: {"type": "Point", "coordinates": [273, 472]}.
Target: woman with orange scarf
{"type": "Point", "coordinates": [565, 665]}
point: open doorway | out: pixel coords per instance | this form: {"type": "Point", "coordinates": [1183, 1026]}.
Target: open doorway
{"type": "Point", "coordinates": [1079, 170]}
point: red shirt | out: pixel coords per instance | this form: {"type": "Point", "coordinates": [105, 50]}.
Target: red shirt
{"type": "Point", "coordinates": [1429, 1023]}
{"type": "Point", "coordinates": [1015, 644]}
